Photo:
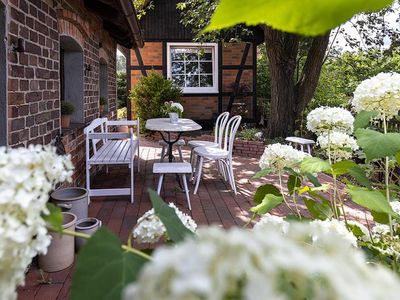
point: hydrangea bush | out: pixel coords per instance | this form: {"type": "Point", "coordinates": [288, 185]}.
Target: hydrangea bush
{"type": "Point", "coordinates": [27, 175]}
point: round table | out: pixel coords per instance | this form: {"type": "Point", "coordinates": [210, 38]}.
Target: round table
{"type": "Point", "coordinates": [164, 125]}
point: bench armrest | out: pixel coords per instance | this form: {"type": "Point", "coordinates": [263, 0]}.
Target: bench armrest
{"type": "Point", "coordinates": [123, 123]}
{"type": "Point", "coordinates": [110, 135]}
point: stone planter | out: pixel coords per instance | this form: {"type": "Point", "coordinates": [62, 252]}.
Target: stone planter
{"type": "Point", "coordinates": [61, 252]}
{"type": "Point", "coordinates": [87, 226]}
{"type": "Point", "coordinates": [72, 199]}
{"type": "Point", "coordinates": [65, 121]}
{"type": "Point", "coordinates": [173, 118]}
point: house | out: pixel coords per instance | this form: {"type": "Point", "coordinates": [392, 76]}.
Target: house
{"type": "Point", "coordinates": [60, 50]}
{"type": "Point", "coordinates": [214, 77]}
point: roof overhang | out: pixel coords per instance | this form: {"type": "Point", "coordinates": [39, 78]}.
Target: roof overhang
{"type": "Point", "coordinates": [119, 20]}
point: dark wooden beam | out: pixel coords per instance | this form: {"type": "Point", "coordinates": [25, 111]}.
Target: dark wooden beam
{"type": "Point", "coordinates": [104, 10]}
{"type": "Point", "coordinates": [140, 62]}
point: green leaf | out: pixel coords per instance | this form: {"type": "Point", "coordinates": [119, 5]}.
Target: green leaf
{"type": "Point", "coordinates": [269, 202]}
{"type": "Point", "coordinates": [306, 17]}
{"type": "Point", "coordinates": [314, 165]}
{"type": "Point", "coordinates": [381, 218]}
{"type": "Point", "coordinates": [293, 183]}
{"type": "Point", "coordinates": [262, 173]}
{"type": "Point", "coordinates": [54, 218]}
{"type": "Point", "coordinates": [397, 156]}
{"type": "Point", "coordinates": [355, 229]}
{"type": "Point", "coordinates": [343, 167]}
{"type": "Point", "coordinates": [175, 228]}
{"type": "Point", "coordinates": [264, 190]}
{"type": "Point", "coordinates": [360, 176]}
{"type": "Point", "coordinates": [376, 144]}
{"type": "Point", "coordinates": [373, 200]}
{"type": "Point", "coordinates": [318, 210]}
{"type": "Point", "coordinates": [363, 119]}
{"type": "Point", "coordinates": [314, 180]}
{"type": "Point", "coordinates": [103, 269]}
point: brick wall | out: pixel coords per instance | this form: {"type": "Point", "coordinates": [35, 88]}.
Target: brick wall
{"type": "Point", "coordinates": [33, 76]}
{"type": "Point", "coordinates": [203, 107]}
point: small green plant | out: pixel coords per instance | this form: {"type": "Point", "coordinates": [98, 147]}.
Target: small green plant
{"type": "Point", "coordinates": [102, 100]}
{"type": "Point", "coordinates": [67, 108]}
{"type": "Point", "coordinates": [122, 113]}
{"type": "Point", "coordinates": [250, 134]}
{"type": "Point", "coordinates": [149, 95]}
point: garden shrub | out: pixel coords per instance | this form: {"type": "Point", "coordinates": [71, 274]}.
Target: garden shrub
{"type": "Point", "coordinates": [149, 95]}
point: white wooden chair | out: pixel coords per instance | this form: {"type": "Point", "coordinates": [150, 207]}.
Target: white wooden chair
{"type": "Point", "coordinates": [218, 135]}
{"type": "Point", "coordinates": [178, 144]}
{"type": "Point", "coordinates": [222, 155]}
{"type": "Point", "coordinates": [111, 148]}
{"type": "Point", "coordinates": [180, 168]}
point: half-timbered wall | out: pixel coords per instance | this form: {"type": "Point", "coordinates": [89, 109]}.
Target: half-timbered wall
{"type": "Point", "coordinates": [236, 79]}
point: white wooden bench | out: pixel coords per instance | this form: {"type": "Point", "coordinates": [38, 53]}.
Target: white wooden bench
{"type": "Point", "coordinates": [300, 142]}
{"type": "Point", "coordinates": [111, 148]}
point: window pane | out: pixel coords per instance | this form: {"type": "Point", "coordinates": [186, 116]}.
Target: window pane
{"type": "Point", "coordinates": [206, 67]}
{"type": "Point", "coordinates": [177, 54]}
{"type": "Point", "coordinates": [206, 80]}
{"type": "Point", "coordinates": [205, 54]}
{"type": "Point", "coordinates": [192, 68]}
{"type": "Point", "coordinates": [192, 81]}
{"type": "Point", "coordinates": [177, 68]}
{"type": "Point", "coordinates": [192, 55]}
{"type": "Point", "coordinates": [179, 80]}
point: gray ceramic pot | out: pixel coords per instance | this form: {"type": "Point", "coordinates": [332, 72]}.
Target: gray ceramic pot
{"type": "Point", "coordinates": [72, 199]}
{"type": "Point", "coordinates": [60, 254]}
{"type": "Point", "coordinates": [87, 226]}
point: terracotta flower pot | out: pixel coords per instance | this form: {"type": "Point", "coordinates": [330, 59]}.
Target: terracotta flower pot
{"type": "Point", "coordinates": [61, 252]}
{"type": "Point", "coordinates": [65, 121]}
{"type": "Point", "coordinates": [101, 109]}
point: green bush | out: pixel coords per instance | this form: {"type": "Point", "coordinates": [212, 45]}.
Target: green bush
{"type": "Point", "coordinates": [249, 134]}
{"type": "Point", "coordinates": [67, 108]}
{"type": "Point", "coordinates": [102, 101]}
{"type": "Point", "coordinates": [122, 90]}
{"type": "Point", "coordinates": [122, 113]}
{"type": "Point", "coordinates": [149, 95]}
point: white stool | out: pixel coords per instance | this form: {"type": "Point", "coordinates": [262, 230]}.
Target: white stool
{"type": "Point", "coordinates": [180, 168]}
{"type": "Point", "coordinates": [178, 144]}
{"type": "Point", "coordinates": [300, 142]}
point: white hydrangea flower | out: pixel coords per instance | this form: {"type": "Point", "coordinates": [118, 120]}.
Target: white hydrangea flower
{"type": "Point", "coordinates": [366, 237]}
{"type": "Point", "coordinates": [339, 144]}
{"type": "Point", "coordinates": [395, 206]}
{"type": "Point", "coordinates": [149, 228]}
{"type": "Point", "coordinates": [278, 156]}
{"type": "Point", "coordinates": [177, 105]}
{"type": "Point", "coordinates": [220, 264]}
{"type": "Point", "coordinates": [334, 225]}
{"type": "Point", "coordinates": [380, 229]}
{"type": "Point", "coordinates": [27, 175]}
{"type": "Point", "coordinates": [325, 119]}
{"type": "Point", "coordinates": [271, 220]}
{"type": "Point", "coordinates": [380, 93]}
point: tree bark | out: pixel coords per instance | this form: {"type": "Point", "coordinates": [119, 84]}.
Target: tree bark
{"type": "Point", "coordinates": [288, 97]}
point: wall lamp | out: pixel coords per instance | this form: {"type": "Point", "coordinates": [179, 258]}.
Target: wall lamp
{"type": "Point", "coordinates": [19, 46]}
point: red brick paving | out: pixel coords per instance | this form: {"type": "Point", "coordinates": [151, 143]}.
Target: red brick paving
{"type": "Point", "coordinates": [214, 204]}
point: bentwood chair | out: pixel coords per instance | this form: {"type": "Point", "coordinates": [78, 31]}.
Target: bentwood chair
{"type": "Point", "coordinates": [223, 155]}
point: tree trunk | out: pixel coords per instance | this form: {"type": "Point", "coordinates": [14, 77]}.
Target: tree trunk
{"type": "Point", "coordinates": [282, 51]}
{"type": "Point", "coordinates": [289, 98]}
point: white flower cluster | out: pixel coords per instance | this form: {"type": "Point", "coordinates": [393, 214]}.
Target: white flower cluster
{"type": "Point", "coordinates": [278, 156]}
{"type": "Point", "coordinates": [333, 126]}
{"type": "Point", "coordinates": [177, 105]}
{"type": "Point", "coordinates": [380, 93]}
{"type": "Point", "coordinates": [262, 264]}
{"type": "Point", "coordinates": [149, 228]}
{"type": "Point", "coordinates": [325, 119]}
{"type": "Point", "coordinates": [27, 175]}
{"type": "Point", "coordinates": [340, 145]}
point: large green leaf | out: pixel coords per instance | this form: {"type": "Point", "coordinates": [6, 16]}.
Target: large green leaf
{"type": "Point", "coordinates": [267, 204]}
{"type": "Point", "coordinates": [103, 269]}
{"type": "Point", "coordinates": [314, 180]}
{"type": "Point", "coordinates": [319, 210]}
{"type": "Point", "coordinates": [264, 190]}
{"type": "Point", "coordinates": [360, 176]}
{"type": "Point", "coordinates": [363, 119]}
{"type": "Point", "coordinates": [314, 165]}
{"type": "Point", "coordinates": [262, 173]}
{"type": "Point", "coordinates": [376, 144]}
{"type": "Point", "coordinates": [306, 17]}
{"type": "Point", "coordinates": [343, 167]}
{"type": "Point", "coordinates": [54, 218]}
{"type": "Point", "coordinates": [293, 183]}
{"type": "Point", "coordinates": [373, 200]}
{"type": "Point", "coordinates": [175, 228]}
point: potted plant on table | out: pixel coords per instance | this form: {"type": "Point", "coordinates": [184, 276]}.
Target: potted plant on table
{"type": "Point", "coordinates": [122, 114]}
{"type": "Point", "coordinates": [174, 110]}
{"type": "Point", "coordinates": [67, 109]}
{"type": "Point", "coordinates": [102, 102]}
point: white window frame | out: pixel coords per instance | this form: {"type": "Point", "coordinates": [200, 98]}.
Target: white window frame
{"type": "Point", "coordinates": [196, 90]}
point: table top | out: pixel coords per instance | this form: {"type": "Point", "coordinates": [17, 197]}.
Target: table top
{"type": "Point", "coordinates": [299, 140]}
{"type": "Point", "coordinates": [163, 124]}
